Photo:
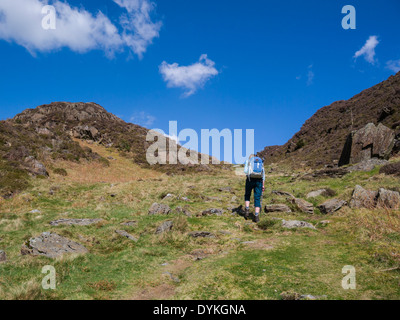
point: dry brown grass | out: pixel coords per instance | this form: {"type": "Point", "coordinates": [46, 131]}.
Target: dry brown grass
{"type": "Point", "coordinates": [120, 170]}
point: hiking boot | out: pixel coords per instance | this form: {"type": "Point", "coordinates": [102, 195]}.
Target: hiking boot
{"type": "Point", "coordinates": [246, 213]}
{"type": "Point", "coordinates": [256, 218]}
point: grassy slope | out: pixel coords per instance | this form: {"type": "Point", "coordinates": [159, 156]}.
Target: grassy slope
{"type": "Point", "coordinates": [302, 261]}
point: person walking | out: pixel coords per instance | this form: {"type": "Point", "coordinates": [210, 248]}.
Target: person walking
{"type": "Point", "coordinates": [255, 180]}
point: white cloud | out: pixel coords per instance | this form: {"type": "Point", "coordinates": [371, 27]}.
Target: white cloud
{"type": "Point", "coordinates": [368, 50]}
{"type": "Point", "coordinates": [191, 77]}
{"type": "Point", "coordinates": [76, 28]}
{"type": "Point", "coordinates": [393, 65]}
{"type": "Point", "coordinates": [142, 119]}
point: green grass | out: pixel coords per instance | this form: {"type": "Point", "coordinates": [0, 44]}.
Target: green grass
{"type": "Point", "coordinates": [301, 261]}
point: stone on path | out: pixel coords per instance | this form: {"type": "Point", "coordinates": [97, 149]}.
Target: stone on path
{"type": "Point", "coordinates": [292, 224]}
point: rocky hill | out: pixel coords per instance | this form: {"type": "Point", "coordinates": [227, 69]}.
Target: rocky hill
{"type": "Point", "coordinates": [34, 138]}
{"type": "Point", "coordinates": [322, 137]}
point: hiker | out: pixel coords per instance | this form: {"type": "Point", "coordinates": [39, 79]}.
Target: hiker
{"type": "Point", "coordinates": [255, 178]}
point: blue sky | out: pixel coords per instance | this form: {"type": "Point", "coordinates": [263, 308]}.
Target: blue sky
{"type": "Point", "coordinates": [263, 65]}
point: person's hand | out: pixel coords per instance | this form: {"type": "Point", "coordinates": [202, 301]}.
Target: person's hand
{"type": "Point", "coordinates": [263, 189]}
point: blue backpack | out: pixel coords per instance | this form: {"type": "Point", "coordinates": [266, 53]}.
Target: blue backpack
{"type": "Point", "coordinates": [256, 168]}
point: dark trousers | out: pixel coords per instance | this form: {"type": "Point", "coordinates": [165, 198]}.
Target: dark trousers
{"type": "Point", "coordinates": [256, 185]}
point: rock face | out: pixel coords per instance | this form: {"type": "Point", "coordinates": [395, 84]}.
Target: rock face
{"type": "Point", "coordinates": [303, 205]}
{"type": "Point", "coordinates": [51, 245]}
{"type": "Point", "coordinates": [78, 222]}
{"type": "Point", "coordinates": [388, 199]}
{"type": "Point", "coordinates": [165, 227]}
{"type": "Point", "coordinates": [362, 198]}
{"type": "Point", "coordinates": [158, 208]}
{"type": "Point", "coordinates": [3, 257]}
{"type": "Point", "coordinates": [277, 208]}
{"type": "Point", "coordinates": [125, 234]}
{"type": "Point", "coordinates": [366, 143]}
{"type": "Point", "coordinates": [292, 224]}
{"type": "Point", "coordinates": [213, 211]}
{"type": "Point", "coordinates": [331, 206]}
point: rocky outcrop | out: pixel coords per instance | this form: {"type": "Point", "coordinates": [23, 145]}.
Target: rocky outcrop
{"type": "Point", "coordinates": [362, 198]}
{"type": "Point", "coordinates": [331, 206]}
{"type": "Point", "coordinates": [367, 143]}
{"type": "Point", "coordinates": [303, 205]}
{"type": "Point", "coordinates": [51, 245]}
{"type": "Point", "coordinates": [277, 208]}
{"type": "Point", "coordinates": [388, 199]}
{"type": "Point", "coordinates": [85, 133]}
{"type": "Point", "coordinates": [381, 199]}
{"type": "Point", "coordinates": [35, 167]}
{"type": "Point", "coordinates": [391, 169]}
{"type": "Point", "coordinates": [158, 208]}
{"type": "Point", "coordinates": [77, 222]}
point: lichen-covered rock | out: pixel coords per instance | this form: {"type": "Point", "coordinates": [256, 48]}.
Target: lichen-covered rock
{"type": "Point", "coordinates": [158, 208]}
{"type": "Point", "coordinates": [388, 199]}
{"type": "Point", "coordinates": [201, 234]}
{"type": "Point", "coordinates": [125, 234]}
{"type": "Point", "coordinates": [362, 198]}
{"type": "Point", "coordinates": [292, 224]}
{"type": "Point", "coordinates": [316, 193]}
{"type": "Point", "coordinates": [51, 245]}
{"type": "Point", "coordinates": [304, 206]}
{"type": "Point", "coordinates": [331, 206]}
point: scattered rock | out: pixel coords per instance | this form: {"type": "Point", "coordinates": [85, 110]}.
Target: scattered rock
{"type": "Point", "coordinates": [388, 199]}
{"type": "Point", "coordinates": [186, 199]}
{"type": "Point", "coordinates": [169, 196]}
{"type": "Point", "coordinates": [201, 234]}
{"type": "Point", "coordinates": [78, 222]}
{"type": "Point", "coordinates": [331, 206]}
{"type": "Point", "coordinates": [158, 208]}
{"type": "Point", "coordinates": [213, 211]}
{"type": "Point", "coordinates": [303, 205]}
{"type": "Point", "coordinates": [325, 222]}
{"type": "Point", "coordinates": [129, 223]}
{"type": "Point", "coordinates": [51, 245]}
{"type": "Point", "coordinates": [184, 211]}
{"type": "Point", "coordinates": [3, 256]}
{"type": "Point", "coordinates": [367, 165]}
{"type": "Point", "coordinates": [391, 169]}
{"type": "Point", "coordinates": [317, 193]}
{"type": "Point", "coordinates": [227, 233]}
{"type": "Point", "coordinates": [277, 208]}
{"type": "Point", "coordinates": [291, 224]}
{"type": "Point", "coordinates": [125, 234]}
{"type": "Point", "coordinates": [35, 211]}
{"type": "Point", "coordinates": [362, 198]}
{"type": "Point", "coordinates": [165, 227]}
